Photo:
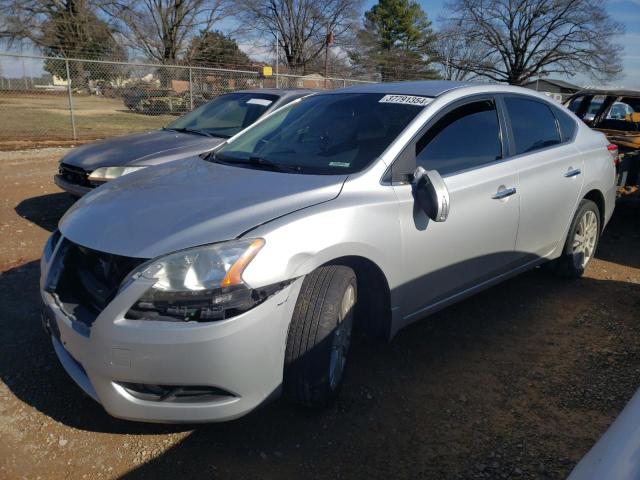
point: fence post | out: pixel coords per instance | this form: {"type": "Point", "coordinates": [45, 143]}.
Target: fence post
{"type": "Point", "coordinates": [73, 120]}
{"type": "Point", "coordinates": [344, 82]}
{"type": "Point", "coordinates": [190, 88]}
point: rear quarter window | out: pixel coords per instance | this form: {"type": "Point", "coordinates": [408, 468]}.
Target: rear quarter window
{"type": "Point", "coordinates": [532, 123]}
{"type": "Point", "coordinates": [567, 123]}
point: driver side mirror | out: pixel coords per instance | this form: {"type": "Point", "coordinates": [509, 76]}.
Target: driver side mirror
{"type": "Point", "coordinates": [431, 194]}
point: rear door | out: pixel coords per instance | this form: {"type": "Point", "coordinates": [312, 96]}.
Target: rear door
{"type": "Point", "coordinates": [476, 243]}
{"type": "Point", "coordinates": [550, 172]}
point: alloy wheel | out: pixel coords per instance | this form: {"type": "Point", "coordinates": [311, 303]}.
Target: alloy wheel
{"type": "Point", "coordinates": [585, 238]}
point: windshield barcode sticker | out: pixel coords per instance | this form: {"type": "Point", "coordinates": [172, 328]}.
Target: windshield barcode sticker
{"type": "Point", "coordinates": [406, 100]}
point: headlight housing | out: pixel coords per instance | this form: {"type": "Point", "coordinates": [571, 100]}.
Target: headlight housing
{"type": "Point", "coordinates": [104, 174]}
{"type": "Point", "coordinates": [200, 284]}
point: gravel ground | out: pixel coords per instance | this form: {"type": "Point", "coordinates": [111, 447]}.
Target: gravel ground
{"type": "Point", "coordinates": [517, 382]}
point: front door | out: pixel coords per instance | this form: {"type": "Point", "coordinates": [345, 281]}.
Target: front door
{"type": "Point", "coordinates": [476, 242]}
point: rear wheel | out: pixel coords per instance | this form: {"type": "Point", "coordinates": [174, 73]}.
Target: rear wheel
{"type": "Point", "coordinates": [582, 241]}
{"type": "Point", "coordinates": [320, 335]}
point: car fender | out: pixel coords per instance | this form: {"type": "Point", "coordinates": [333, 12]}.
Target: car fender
{"type": "Point", "coordinates": [300, 242]}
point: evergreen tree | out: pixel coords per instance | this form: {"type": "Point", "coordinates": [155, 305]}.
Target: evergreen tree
{"type": "Point", "coordinates": [396, 41]}
{"type": "Point", "coordinates": [215, 49]}
{"type": "Point", "coordinates": [75, 31]}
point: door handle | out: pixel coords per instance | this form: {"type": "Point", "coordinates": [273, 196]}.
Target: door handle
{"type": "Point", "coordinates": [572, 172]}
{"type": "Point", "coordinates": [504, 193]}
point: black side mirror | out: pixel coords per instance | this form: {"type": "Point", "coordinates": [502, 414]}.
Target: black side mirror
{"type": "Point", "coordinates": [431, 194]}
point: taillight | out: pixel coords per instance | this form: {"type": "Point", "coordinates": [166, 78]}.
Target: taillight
{"type": "Point", "coordinates": [613, 150]}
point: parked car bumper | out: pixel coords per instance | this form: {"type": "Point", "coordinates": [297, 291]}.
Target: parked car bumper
{"type": "Point", "coordinates": [69, 187]}
{"type": "Point", "coordinates": [242, 357]}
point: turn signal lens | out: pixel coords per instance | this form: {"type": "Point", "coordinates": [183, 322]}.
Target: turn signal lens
{"type": "Point", "coordinates": [234, 274]}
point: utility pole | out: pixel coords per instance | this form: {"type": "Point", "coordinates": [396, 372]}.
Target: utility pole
{"type": "Point", "coordinates": [277, 56]}
{"type": "Point", "coordinates": [328, 42]}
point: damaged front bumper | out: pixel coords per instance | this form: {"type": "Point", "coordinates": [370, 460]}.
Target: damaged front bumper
{"type": "Point", "coordinates": [171, 371]}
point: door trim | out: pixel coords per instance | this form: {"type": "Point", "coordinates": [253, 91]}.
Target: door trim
{"type": "Point", "coordinates": [470, 291]}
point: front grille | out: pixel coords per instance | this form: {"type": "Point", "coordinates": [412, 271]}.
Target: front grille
{"type": "Point", "coordinates": [88, 280]}
{"type": "Point", "coordinates": [75, 175]}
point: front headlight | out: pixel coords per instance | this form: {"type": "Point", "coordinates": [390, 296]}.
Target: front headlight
{"type": "Point", "coordinates": [200, 284]}
{"type": "Point", "coordinates": [104, 174]}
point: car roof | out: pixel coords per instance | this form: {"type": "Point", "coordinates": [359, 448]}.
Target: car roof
{"type": "Point", "coordinates": [280, 92]}
{"type": "Point", "coordinates": [425, 88]}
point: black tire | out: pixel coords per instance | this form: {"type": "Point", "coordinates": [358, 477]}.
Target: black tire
{"type": "Point", "coordinates": [570, 264]}
{"type": "Point", "coordinates": [317, 330]}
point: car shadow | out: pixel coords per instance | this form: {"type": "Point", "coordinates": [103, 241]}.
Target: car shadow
{"type": "Point", "coordinates": [619, 243]}
{"type": "Point", "coordinates": [45, 210]}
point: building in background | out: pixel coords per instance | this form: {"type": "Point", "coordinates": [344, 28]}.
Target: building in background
{"type": "Point", "coordinates": [558, 89]}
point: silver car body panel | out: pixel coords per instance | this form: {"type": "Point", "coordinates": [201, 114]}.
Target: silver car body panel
{"type": "Point", "coordinates": [617, 452]}
{"type": "Point", "coordinates": [193, 202]}
{"type": "Point", "coordinates": [307, 221]}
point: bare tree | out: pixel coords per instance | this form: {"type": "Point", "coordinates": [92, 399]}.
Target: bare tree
{"type": "Point", "coordinates": [301, 26]}
{"type": "Point", "coordinates": [534, 38]}
{"type": "Point", "coordinates": [162, 29]}
{"type": "Point", "coordinates": [456, 54]}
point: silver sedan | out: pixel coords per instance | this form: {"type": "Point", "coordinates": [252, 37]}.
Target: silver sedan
{"type": "Point", "coordinates": [200, 289]}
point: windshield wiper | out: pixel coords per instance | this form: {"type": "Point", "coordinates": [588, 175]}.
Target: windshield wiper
{"type": "Point", "coordinates": [187, 130]}
{"type": "Point", "coordinates": [258, 162]}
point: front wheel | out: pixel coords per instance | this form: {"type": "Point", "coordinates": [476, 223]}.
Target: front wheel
{"type": "Point", "coordinates": [582, 241]}
{"type": "Point", "coordinates": [319, 336]}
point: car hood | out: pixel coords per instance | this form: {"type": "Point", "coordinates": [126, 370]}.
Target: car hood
{"type": "Point", "coordinates": [187, 203]}
{"type": "Point", "coordinates": [148, 148]}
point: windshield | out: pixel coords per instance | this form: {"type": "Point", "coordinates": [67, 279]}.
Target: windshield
{"type": "Point", "coordinates": [226, 115]}
{"type": "Point", "coordinates": [324, 134]}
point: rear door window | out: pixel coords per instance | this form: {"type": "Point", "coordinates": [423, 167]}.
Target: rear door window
{"type": "Point", "coordinates": [532, 123]}
{"type": "Point", "coordinates": [466, 137]}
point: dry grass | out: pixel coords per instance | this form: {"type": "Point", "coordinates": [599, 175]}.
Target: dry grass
{"type": "Point", "coordinates": [36, 118]}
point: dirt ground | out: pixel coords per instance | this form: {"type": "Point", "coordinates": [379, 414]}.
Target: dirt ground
{"type": "Point", "coordinates": [517, 382]}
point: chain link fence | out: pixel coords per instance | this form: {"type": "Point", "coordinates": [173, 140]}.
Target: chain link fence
{"type": "Point", "coordinates": [47, 100]}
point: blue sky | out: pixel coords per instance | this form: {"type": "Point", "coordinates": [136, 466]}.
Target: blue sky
{"type": "Point", "coordinates": [625, 11]}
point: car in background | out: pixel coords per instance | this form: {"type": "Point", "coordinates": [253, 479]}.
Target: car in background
{"type": "Point", "coordinates": [200, 130]}
{"type": "Point", "coordinates": [616, 113]}
{"type": "Point", "coordinates": [202, 288]}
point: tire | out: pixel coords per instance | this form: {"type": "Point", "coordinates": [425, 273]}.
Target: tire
{"type": "Point", "coordinates": [319, 336]}
{"type": "Point", "coordinates": [576, 257]}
